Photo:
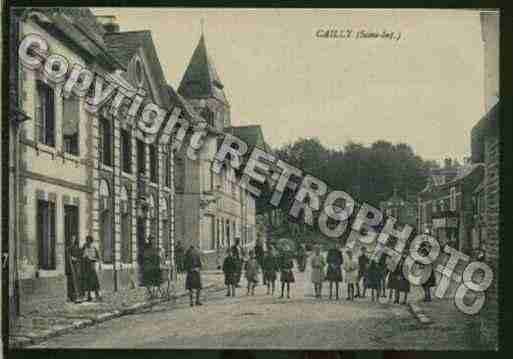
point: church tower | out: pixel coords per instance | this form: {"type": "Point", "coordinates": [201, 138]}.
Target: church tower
{"type": "Point", "coordinates": [202, 87]}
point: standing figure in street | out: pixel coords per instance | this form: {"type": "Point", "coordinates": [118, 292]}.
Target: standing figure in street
{"type": "Point", "coordinates": [230, 272]}
{"type": "Point", "coordinates": [373, 279]}
{"type": "Point", "coordinates": [179, 254]}
{"type": "Point", "coordinates": [301, 257]}
{"type": "Point", "coordinates": [363, 262]}
{"type": "Point", "coordinates": [152, 276]}
{"type": "Point", "coordinates": [351, 269]}
{"type": "Point", "coordinates": [259, 253]}
{"type": "Point", "coordinates": [270, 267]}
{"type": "Point", "coordinates": [286, 275]}
{"type": "Point", "coordinates": [383, 271]}
{"type": "Point", "coordinates": [74, 262]}
{"type": "Point", "coordinates": [90, 278]}
{"type": "Point", "coordinates": [252, 272]}
{"type": "Point", "coordinates": [431, 281]}
{"type": "Point", "coordinates": [237, 251]}
{"type": "Point", "coordinates": [192, 265]}
{"type": "Point", "coordinates": [317, 263]}
{"type": "Point", "coordinates": [334, 275]}
{"type": "Point", "coordinates": [403, 284]}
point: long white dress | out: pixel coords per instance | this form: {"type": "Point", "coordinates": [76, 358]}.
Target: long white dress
{"type": "Point", "coordinates": [351, 269]}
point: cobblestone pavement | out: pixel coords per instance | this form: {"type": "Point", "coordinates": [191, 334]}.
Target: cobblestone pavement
{"type": "Point", "coordinates": [48, 317]}
{"type": "Point", "coordinates": [263, 321]}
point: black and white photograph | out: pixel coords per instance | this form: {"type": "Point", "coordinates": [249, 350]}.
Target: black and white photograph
{"type": "Point", "coordinates": [251, 179]}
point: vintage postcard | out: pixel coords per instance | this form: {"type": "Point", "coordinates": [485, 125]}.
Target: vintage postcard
{"type": "Point", "coordinates": [270, 178]}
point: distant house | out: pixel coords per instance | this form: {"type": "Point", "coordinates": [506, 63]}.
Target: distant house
{"type": "Point", "coordinates": [403, 210]}
{"type": "Point", "coordinates": [445, 205]}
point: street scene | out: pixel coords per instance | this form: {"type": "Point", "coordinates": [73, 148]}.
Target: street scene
{"type": "Point", "coordinates": [213, 179]}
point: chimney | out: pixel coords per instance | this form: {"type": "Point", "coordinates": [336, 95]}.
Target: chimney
{"type": "Point", "coordinates": [108, 22]}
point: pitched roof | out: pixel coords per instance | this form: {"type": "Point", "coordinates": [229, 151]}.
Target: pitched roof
{"type": "Point", "coordinates": [252, 135]}
{"type": "Point", "coordinates": [124, 45]}
{"type": "Point", "coordinates": [79, 27]}
{"type": "Point", "coordinates": [201, 79]}
{"type": "Point", "coordinates": [487, 126]}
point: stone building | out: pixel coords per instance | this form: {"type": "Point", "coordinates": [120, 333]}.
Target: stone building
{"type": "Point", "coordinates": [486, 149]}
{"type": "Point", "coordinates": [404, 210]}
{"type": "Point", "coordinates": [212, 209]}
{"type": "Point", "coordinates": [86, 174]}
{"type": "Point", "coordinates": [445, 205]}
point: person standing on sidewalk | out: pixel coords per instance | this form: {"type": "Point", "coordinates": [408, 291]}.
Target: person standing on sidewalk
{"type": "Point", "coordinates": [152, 276]}
{"type": "Point", "coordinates": [270, 268]}
{"type": "Point", "coordinates": [351, 269]}
{"type": "Point", "coordinates": [334, 275]}
{"type": "Point", "coordinates": [252, 273]}
{"type": "Point", "coordinates": [317, 263]}
{"type": "Point", "coordinates": [75, 290]}
{"type": "Point", "coordinates": [373, 279]}
{"type": "Point", "coordinates": [192, 264]}
{"type": "Point", "coordinates": [179, 254]}
{"type": "Point", "coordinates": [230, 272]}
{"type": "Point", "coordinates": [90, 278]}
{"type": "Point", "coordinates": [363, 263]}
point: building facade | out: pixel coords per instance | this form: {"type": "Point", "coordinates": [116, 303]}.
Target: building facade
{"type": "Point", "coordinates": [82, 173]}
{"type": "Point", "coordinates": [404, 210]}
{"type": "Point", "coordinates": [212, 208]}
{"type": "Point", "coordinates": [445, 206]}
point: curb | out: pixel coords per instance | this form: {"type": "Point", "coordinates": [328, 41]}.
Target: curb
{"type": "Point", "coordinates": [419, 314]}
{"type": "Point", "coordinates": [27, 340]}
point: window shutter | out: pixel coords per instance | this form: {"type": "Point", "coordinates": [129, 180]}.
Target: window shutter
{"type": "Point", "coordinates": [39, 115]}
{"type": "Point", "coordinates": [51, 236]}
{"type": "Point", "coordinates": [50, 117]}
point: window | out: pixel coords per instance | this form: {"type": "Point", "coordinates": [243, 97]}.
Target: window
{"type": "Point", "coordinates": [179, 174]}
{"type": "Point", "coordinates": [105, 141]}
{"type": "Point", "coordinates": [452, 201]}
{"type": "Point", "coordinates": [167, 168]}
{"type": "Point", "coordinates": [154, 163]}
{"type": "Point", "coordinates": [46, 234]}
{"type": "Point", "coordinates": [126, 151]}
{"type": "Point", "coordinates": [45, 114]}
{"type": "Point", "coordinates": [70, 121]}
{"type": "Point", "coordinates": [126, 227]}
{"type": "Point", "coordinates": [141, 157]}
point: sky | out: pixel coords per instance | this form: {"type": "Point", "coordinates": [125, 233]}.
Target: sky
{"type": "Point", "coordinates": [425, 89]}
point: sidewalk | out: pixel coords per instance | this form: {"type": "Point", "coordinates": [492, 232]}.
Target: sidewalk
{"type": "Point", "coordinates": [451, 327]}
{"type": "Point", "coordinates": [48, 320]}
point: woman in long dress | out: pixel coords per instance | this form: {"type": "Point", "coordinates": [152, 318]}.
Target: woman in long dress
{"type": "Point", "coordinates": [351, 269]}
{"type": "Point", "coordinates": [90, 278]}
{"type": "Point", "coordinates": [334, 275]}
{"type": "Point", "coordinates": [317, 263]}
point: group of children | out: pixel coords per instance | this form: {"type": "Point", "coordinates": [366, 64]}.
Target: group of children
{"type": "Point", "coordinates": [271, 263]}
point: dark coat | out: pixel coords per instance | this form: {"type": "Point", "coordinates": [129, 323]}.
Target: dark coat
{"type": "Point", "coordinates": [259, 253]}
{"type": "Point", "coordinates": [363, 262]}
{"type": "Point", "coordinates": [89, 277]}
{"type": "Point", "coordinates": [192, 264]}
{"type": "Point", "coordinates": [270, 266]}
{"type": "Point", "coordinates": [230, 270]}
{"type": "Point", "coordinates": [286, 265]}
{"type": "Point", "coordinates": [431, 282]}
{"type": "Point", "coordinates": [373, 276]}
{"type": "Point", "coordinates": [335, 261]}
{"type": "Point", "coordinates": [403, 284]}
{"type": "Point", "coordinates": [152, 275]}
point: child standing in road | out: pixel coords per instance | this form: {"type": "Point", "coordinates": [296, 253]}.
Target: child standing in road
{"type": "Point", "coordinates": [230, 272]}
{"type": "Point", "coordinates": [270, 266]}
{"type": "Point", "coordinates": [373, 279]}
{"type": "Point", "coordinates": [252, 273]}
{"type": "Point", "coordinates": [286, 275]}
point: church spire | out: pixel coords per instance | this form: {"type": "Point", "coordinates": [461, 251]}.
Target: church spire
{"type": "Point", "coordinates": [201, 80]}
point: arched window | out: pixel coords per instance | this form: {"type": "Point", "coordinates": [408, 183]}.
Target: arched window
{"type": "Point", "coordinates": [126, 225]}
